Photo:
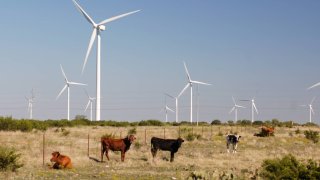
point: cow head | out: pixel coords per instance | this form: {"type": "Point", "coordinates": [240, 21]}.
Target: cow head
{"type": "Point", "coordinates": [238, 137]}
{"type": "Point", "coordinates": [55, 156]}
{"type": "Point", "coordinates": [131, 138]}
{"type": "Point", "coordinates": [180, 141]}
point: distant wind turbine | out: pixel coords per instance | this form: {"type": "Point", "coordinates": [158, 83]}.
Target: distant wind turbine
{"type": "Point", "coordinates": [177, 107]}
{"type": "Point", "coordinates": [30, 104]}
{"type": "Point", "coordinates": [235, 109]}
{"type": "Point", "coordinates": [97, 28]}
{"type": "Point", "coordinates": [91, 99]}
{"type": "Point", "coordinates": [166, 109]}
{"type": "Point", "coordinates": [253, 108]}
{"type": "Point", "coordinates": [190, 84]}
{"type": "Point", "coordinates": [311, 112]}
{"type": "Point", "coordinates": [68, 83]}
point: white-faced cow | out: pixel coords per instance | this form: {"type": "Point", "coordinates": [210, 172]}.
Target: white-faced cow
{"type": "Point", "coordinates": [232, 141]}
{"type": "Point", "coordinates": [171, 145]}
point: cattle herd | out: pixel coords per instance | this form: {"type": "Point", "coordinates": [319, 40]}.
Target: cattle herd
{"type": "Point", "coordinates": [123, 145]}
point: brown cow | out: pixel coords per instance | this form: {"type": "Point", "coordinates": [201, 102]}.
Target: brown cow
{"type": "Point", "coordinates": [61, 161]}
{"type": "Point", "coordinates": [265, 132]}
{"type": "Point", "coordinates": [122, 145]}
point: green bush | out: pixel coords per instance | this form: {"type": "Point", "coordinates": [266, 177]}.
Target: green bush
{"type": "Point", "coordinates": [132, 131]}
{"type": "Point", "coordinates": [312, 135]}
{"type": "Point", "coordinates": [9, 159]}
{"type": "Point", "coordinates": [192, 137]}
{"type": "Point", "coordinates": [289, 168]}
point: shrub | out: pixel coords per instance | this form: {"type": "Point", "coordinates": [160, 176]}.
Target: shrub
{"type": "Point", "coordinates": [289, 168]}
{"type": "Point", "coordinates": [192, 137]}
{"type": "Point", "coordinates": [312, 135]}
{"type": "Point", "coordinates": [9, 159]}
{"type": "Point", "coordinates": [137, 145]}
{"type": "Point", "coordinates": [132, 131]}
{"type": "Point", "coordinates": [297, 131]}
{"type": "Point", "coordinates": [108, 135]}
{"type": "Point", "coordinates": [216, 122]}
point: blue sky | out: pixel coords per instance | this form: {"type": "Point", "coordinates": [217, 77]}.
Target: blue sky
{"type": "Point", "coordinates": [264, 49]}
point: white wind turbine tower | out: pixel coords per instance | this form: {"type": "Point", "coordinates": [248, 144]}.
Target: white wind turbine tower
{"type": "Point", "coordinates": [90, 101]}
{"type": "Point", "coordinates": [97, 28]}
{"type": "Point", "coordinates": [311, 112]}
{"type": "Point", "coordinates": [235, 109]}
{"type": "Point", "coordinates": [68, 83]}
{"type": "Point", "coordinates": [30, 104]}
{"type": "Point", "coordinates": [190, 84]}
{"type": "Point", "coordinates": [253, 108]}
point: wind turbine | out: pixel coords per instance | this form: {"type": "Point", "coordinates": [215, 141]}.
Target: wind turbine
{"type": "Point", "coordinates": [311, 112]}
{"type": "Point", "coordinates": [97, 28]}
{"type": "Point", "coordinates": [190, 84]}
{"type": "Point", "coordinates": [177, 107]}
{"type": "Point", "coordinates": [68, 83]}
{"type": "Point", "coordinates": [30, 104]}
{"type": "Point", "coordinates": [91, 99]}
{"type": "Point", "coordinates": [235, 109]}
{"type": "Point", "coordinates": [253, 108]}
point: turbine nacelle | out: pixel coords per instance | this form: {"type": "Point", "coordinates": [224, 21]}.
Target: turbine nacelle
{"type": "Point", "coordinates": [101, 27]}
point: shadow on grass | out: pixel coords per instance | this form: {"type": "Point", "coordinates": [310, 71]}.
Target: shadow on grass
{"type": "Point", "coordinates": [95, 159]}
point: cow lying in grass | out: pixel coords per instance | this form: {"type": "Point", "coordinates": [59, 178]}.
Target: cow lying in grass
{"type": "Point", "coordinates": [265, 132]}
{"type": "Point", "coordinates": [232, 141]}
{"type": "Point", "coordinates": [171, 145]}
{"type": "Point", "coordinates": [61, 161]}
{"type": "Point", "coordinates": [122, 145]}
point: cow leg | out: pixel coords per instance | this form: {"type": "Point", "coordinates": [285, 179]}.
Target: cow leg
{"type": "Point", "coordinates": [107, 155]}
{"type": "Point", "coordinates": [228, 146]}
{"type": "Point", "coordinates": [235, 148]}
{"type": "Point", "coordinates": [56, 166]}
{"type": "Point", "coordinates": [122, 155]}
{"type": "Point", "coordinates": [154, 152]}
{"type": "Point", "coordinates": [102, 152]}
{"type": "Point", "coordinates": [172, 156]}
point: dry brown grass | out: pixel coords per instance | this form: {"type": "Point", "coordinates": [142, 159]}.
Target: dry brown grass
{"type": "Point", "coordinates": [207, 155]}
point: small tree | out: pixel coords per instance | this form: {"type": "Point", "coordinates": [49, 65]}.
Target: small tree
{"type": "Point", "coordinates": [312, 135]}
{"type": "Point", "coordinates": [9, 159]}
{"type": "Point", "coordinates": [216, 122]}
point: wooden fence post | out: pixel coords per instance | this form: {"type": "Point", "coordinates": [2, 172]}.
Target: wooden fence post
{"type": "Point", "coordinates": [88, 144]}
{"type": "Point", "coordinates": [43, 146]}
{"type": "Point", "coordinates": [145, 136]}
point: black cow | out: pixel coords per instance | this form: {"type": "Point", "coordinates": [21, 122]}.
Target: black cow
{"type": "Point", "coordinates": [232, 140]}
{"type": "Point", "coordinates": [171, 145]}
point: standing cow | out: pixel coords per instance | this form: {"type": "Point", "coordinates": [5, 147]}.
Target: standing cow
{"type": "Point", "coordinates": [171, 145]}
{"type": "Point", "coordinates": [232, 140]}
{"type": "Point", "coordinates": [122, 145]}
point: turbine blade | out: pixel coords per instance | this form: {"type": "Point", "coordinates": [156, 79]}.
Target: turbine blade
{"type": "Point", "coordinates": [75, 83]}
{"type": "Point", "coordinates": [184, 89]}
{"type": "Point", "coordinates": [234, 101]}
{"type": "Point", "coordinates": [315, 85]}
{"type": "Point", "coordinates": [87, 106]}
{"type": "Point", "coordinates": [169, 109]}
{"type": "Point", "coordinates": [314, 98]}
{"type": "Point", "coordinates": [93, 37]}
{"type": "Point", "coordinates": [88, 18]}
{"type": "Point", "coordinates": [233, 108]}
{"type": "Point", "coordinates": [64, 74]}
{"type": "Point", "coordinates": [244, 100]}
{"type": "Point", "coordinates": [239, 106]}
{"type": "Point", "coordinates": [255, 108]}
{"type": "Point", "coordinates": [169, 95]}
{"type": "Point", "coordinates": [188, 75]}
{"type": "Point", "coordinates": [64, 88]}
{"type": "Point", "coordinates": [198, 82]}
{"type": "Point", "coordinates": [117, 17]}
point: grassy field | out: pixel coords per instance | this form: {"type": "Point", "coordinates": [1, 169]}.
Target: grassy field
{"type": "Point", "coordinates": [206, 155]}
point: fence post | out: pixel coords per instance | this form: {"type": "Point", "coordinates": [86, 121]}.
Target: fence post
{"type": "Point", "coordinates": [43, 146]}
{"type": "Point", "coordinates": [164, 133]}
{"type": "Point", "coordinates": [192, 130]}
{"type": "Point", "coordinates": [145, 136]}
{"type": "Point", "coordinates": [179, 132]}
{"type": "Point", "coordinates": [88, 144]}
